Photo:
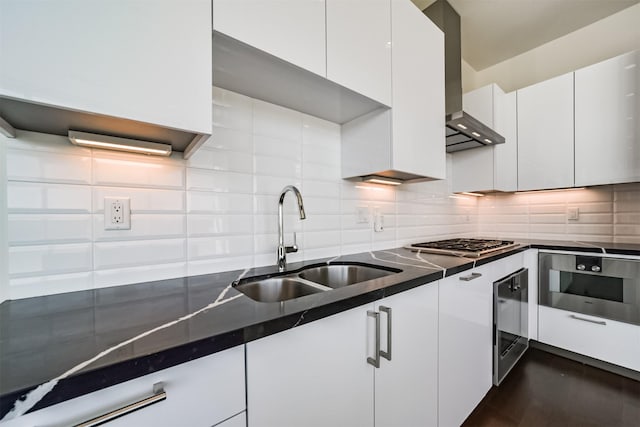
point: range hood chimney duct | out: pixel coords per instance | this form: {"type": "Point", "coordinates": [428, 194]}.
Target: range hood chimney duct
{"type": "Point", "coordinates": [463, 130]}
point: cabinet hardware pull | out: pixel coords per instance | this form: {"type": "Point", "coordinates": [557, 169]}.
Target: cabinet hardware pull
{"type": "Point", "coordinates": [387, 354]}
{"type": "Point", "coordinates": [158, 395]}
{"type": "Point", "coordinates": [597, 322]}
{"type": "Point", "coordinates": [375, 361]}
{"type": "Point", "coordinates": [470, 277]}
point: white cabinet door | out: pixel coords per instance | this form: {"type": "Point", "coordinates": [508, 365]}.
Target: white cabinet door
{"type": "Point", "coordinates": [143, 60]}
{"type": "Point", "coordinates": [545, 134]}
{"type": "Point", "coordinates": [313, 375]}
{"type": "Point", "coordinates": [202, 392]}
{"type": "Point", "coordinates": [604, 339]}
{"type": "Point", "coordinates": [239, 420]}
{"type": "Point", "coordinates": [359, 46]}
{"type": "Point", "coordinates": [608, 121]}
{"type": "Point", "coordinates": [464, 344]}
{"type": "Point", "coordinates": [505, 173]}
{"type": "Point", "coordinates": [418, 108]}
{"type": "Point", "coordinates": [292, 30]}
{"type": "Point", "coordinates": [407, 385]}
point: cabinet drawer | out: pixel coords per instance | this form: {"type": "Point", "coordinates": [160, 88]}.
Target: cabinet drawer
{"type": "Point", "coordinates": [202, 392]}
{"type": "Point", "coordinates": [607, 340]}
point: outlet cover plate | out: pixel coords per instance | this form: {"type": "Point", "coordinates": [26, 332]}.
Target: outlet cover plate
{"type": "Point", "coordinates": [117, 213]}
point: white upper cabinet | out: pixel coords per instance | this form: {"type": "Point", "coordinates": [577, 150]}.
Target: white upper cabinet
{"type": "Point", "coordinates": [406, 142]}
{"type": "Point", "coordinates": [359, 46]}
{"type": "Point", "coordinates": [489, 168]}
{"type": "Point", "coordinates": [607, 121]}
{"type": "Point", "coordinates": [148, 61]}
{"type": "Point", "coordinates": [292, 30]}
{"type": "Point", "coordinates": [545, 134]}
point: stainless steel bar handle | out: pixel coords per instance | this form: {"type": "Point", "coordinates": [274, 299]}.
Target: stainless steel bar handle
{"type": "Point", "coordinates": [158, 396]}
{"type": "Point", "coordinates": [375, 361]}
{"type": "Point", "coordinates": [597, 322]}
{"type": "Point", "coordinates": [387, 354]}
{"type": "Point", "coordinates": [470, 277]}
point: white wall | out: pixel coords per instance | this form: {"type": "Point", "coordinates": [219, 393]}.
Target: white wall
{"type": "Point", "coordinates": [4, 281]}
{"type": "Point", "coordinates": [609, 37]}
{"type": "Point", "coordinates": [606, 214]}
{"type": "Point", "coordinates": [215, 212]}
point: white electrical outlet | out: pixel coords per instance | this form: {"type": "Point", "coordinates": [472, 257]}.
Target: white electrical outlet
{"type": "Point", "coordinates": [363, 214]}
{"type": "Point", "coordinates": [573, 214]}
{"type": "Point", "coordinates": [117, 213]}
{"type": "Point", "coordinates": [378, 221]}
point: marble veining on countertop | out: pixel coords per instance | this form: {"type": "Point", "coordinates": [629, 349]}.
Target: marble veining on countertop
{"type": "Point", "coordinates": [57, 347]}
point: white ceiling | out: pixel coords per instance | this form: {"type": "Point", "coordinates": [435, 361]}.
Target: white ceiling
{"type": "Point", "coordinates": [496, 30]}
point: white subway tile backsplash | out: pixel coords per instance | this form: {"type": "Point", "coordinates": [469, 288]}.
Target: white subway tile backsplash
{"type": "Point", "coordinates": [199, 202]}
{"type": "Point", "coordinates": [34, 286]}
{"type": "Point", "coordinates": [222, 160]}
{"type": "Point", "coordinates": [230, 139]}
{"type": "Point", "coordinates": [23, 197]}
{"type": "Point", "coordinates": [36, 166]}
{"type": "Point", "coordinates": [277, 166]}
{"type": "Point", "coordinates": [35, 141]}
{"type": "Point", "coordinates": [219, 181]}
{"type": "Point", "coordinates": [275, 121]}
{"type": "Point", "coordinates": [220, 247]}
{"type": "Point", "coordinates": [209, 225]}
{"type": "Point", "coordinates": [143, 227]}
{"type": "Point", "coordinates": [145, 273]}
{"type": "Point", "coordinates": [42, 229]}
{"type": "Point", "coordinates": [110, 255]}
{"type": "Point", "coordinates": [208, 266]}
{"type": "Point", "coordinates": [277, 147]}
{"type": "Point", "coordinates": [49, 259]}
{"type": "Point", "coordinates": [232, 110]}
{"type": "Point", "coordinates": [320, 132]}
{"type": "Point", "coordinates": [136, 170]}
{"type": "Point", "coordinates": [273, 185]}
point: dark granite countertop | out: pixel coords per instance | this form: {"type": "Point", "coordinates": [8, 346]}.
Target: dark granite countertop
{"type": "Point", "coordinates": [93, 339]}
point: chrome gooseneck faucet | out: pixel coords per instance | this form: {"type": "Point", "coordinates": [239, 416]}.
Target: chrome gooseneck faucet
{"type": "Point", "coordinates": [282, 249]}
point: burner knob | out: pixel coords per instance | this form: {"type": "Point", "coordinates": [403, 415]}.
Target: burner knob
{"type": "Point", "coordinates": [595, 268]}
{"type": "Point", "coordinates": [581, 267]}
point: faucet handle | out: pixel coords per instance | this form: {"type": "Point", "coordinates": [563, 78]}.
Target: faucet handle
{"type": "Point", "coordinates": [294, 247]}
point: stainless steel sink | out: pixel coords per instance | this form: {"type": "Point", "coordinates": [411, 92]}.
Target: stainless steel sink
{"type": "Point", "coordinates": [276, 289]}
{"type": "Point", "coordinates": [309, 280]}
{"type": "Point", "coordinates": [338, 275]}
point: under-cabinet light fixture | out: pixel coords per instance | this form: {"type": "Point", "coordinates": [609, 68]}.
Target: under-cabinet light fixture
{"type": "Point", "coordinates": [95, 140]}
{"type": "Point", "coordinates": [467, 193]}
{"type": "Point", "coordinates": [555, 190]}
{"type": "Point", "coordinates": [375, 179]}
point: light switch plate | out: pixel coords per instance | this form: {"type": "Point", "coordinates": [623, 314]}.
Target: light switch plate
{"type": "Point", "coordinates": [117, 213]}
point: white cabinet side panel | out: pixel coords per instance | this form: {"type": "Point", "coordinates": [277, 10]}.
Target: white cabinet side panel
{"type": "Point", "coordinates": [505, 176]}
{"type": "Point", "coordinates": [418, 92]}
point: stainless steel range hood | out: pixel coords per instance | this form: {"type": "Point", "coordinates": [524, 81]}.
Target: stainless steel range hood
{"type": "Point", "coordinates": [463, 130]}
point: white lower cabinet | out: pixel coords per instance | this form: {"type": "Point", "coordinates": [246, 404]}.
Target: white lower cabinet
{"type": "Point", "coordinates": [465, 343]}
{"type": "Point", "coordinates": [319, 375]}
{"type": "Point", "coordinates": [465, 338]}
{"type": "Point", "coordinates": [203, 392]}
{"type": "Point", "coordinates": [603, 339]}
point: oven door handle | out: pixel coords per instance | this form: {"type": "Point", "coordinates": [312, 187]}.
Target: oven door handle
{"type": "Point", "coordinates": [584, 319]}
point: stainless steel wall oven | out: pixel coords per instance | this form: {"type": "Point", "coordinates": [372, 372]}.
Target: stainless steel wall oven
{"type": "Point", "coordinates": [591, 284]}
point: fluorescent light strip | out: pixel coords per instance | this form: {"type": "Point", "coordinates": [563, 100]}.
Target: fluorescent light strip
{"type": "Point", "coordinates": [381, 180]}
{"type": "Point", "coordinates": [119, 144]}
{"type": "Point", "coordinates": [550, 191]}
{"type": "Point", "coordinates": [466, 193]}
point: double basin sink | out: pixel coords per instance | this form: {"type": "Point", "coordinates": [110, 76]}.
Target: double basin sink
{"type": "Point", "coordinates": [309, 280]}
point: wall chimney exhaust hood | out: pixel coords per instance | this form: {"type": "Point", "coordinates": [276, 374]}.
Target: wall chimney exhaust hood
{"type": "Point", "coordinates": [463, 131]}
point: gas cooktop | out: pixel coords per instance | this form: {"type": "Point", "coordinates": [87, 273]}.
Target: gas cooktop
{"type": "Point", "coordinates": [463, 247]}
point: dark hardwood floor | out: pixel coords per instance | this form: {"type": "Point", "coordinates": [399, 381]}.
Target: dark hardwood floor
{"type": "Point", "coordinates": [549, 390]}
